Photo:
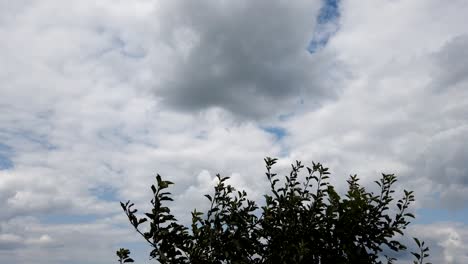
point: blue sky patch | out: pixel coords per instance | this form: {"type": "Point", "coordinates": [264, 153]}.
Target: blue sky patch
{"type": "Point", "coordinates": [327, 25]}
{"type": "Point", "coordinates": [285, 117]}
{"type": "Point", "coordinates": [56, 219]}
{"type": "Point", "coordinates": [278, 132]}
{"type": "Point", "coordinates": [5, 163]}
{"type": "Point", "coordinates": [5, 154]}
{"type": "Point", "coordinates": [104, 193]}
{"type": "Point", "coordinates": [433, 215]}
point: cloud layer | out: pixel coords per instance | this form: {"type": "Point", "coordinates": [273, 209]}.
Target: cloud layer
{"type": "Point", "coordinates": [96, 97]}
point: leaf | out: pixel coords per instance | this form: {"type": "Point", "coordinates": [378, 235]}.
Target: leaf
{"type": "Point", "coordinates": [209, 197]}
{"type": "Point", "coordinates": [158, 178]}
{"type": "Point", "coordinates": [417, 241]}
{"type": "Point", "coordinates": [151, 216]}
{"type": "Point", "coordinates": [410, 215]}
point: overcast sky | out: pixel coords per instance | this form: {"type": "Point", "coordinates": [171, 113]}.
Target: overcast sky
{"type": "Point", "coordinates": [97, 96]}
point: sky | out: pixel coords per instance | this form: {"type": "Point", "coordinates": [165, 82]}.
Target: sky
{"type": "Point", "coordinates": [97, 96]}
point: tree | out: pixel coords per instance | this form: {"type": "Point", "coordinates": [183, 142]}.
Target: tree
{"type": "Point", "coordinates": [301, 221]}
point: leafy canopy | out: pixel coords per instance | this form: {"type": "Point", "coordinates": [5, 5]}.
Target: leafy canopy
{"type": "Point", "coordinates": [303, 220]}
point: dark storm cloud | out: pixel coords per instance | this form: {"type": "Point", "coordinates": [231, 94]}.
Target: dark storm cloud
{"type": "Point", "coordinates": [249, 57]}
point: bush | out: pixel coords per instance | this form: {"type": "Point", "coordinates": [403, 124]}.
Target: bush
{"type": "Point", "coordinates": [302, 221]}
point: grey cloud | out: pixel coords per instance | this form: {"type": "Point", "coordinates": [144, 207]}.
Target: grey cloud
{"type": "Point", "coordinates": [249, 58]}
{"type": "Point", "coordinates": [448, 155]}
{"type": "Point", "coordinates": [25, 240]}
{"type": "Point", "coordinates": [445, 111]}
{"type": "Point", "coordinates": [396, 121]}
{"type": "Point", "coordinates": [10, 241]}
{"type": "Point", "coordinates": [443, 162]}
{"type": "Point", "coordinates": [446, 241]}
{"type": "Point", "coordinates": [451, 63]}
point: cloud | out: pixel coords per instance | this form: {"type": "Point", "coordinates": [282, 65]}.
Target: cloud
{"type": "Point", "coordinates": [249, 58]}
{"type": "Point", "coordinates": [98, 97]}
{"type": "Point", "coordinates": [447, 241]}
{"type": "Point", "coordinates": [25, 240]}
{"type": "Point", "coordinates": [390, 118]}
{"type": "Point", "coordinates": [451, 64]}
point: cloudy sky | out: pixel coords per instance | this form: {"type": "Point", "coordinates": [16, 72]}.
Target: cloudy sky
{"type": "Point", "coordinates": [97, 96]}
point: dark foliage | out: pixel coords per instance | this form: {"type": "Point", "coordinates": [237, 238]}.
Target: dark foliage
{"type": "Point", "coordinates": [123, 255]}
{"type": "Point", "coordinates": [302, 221]}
